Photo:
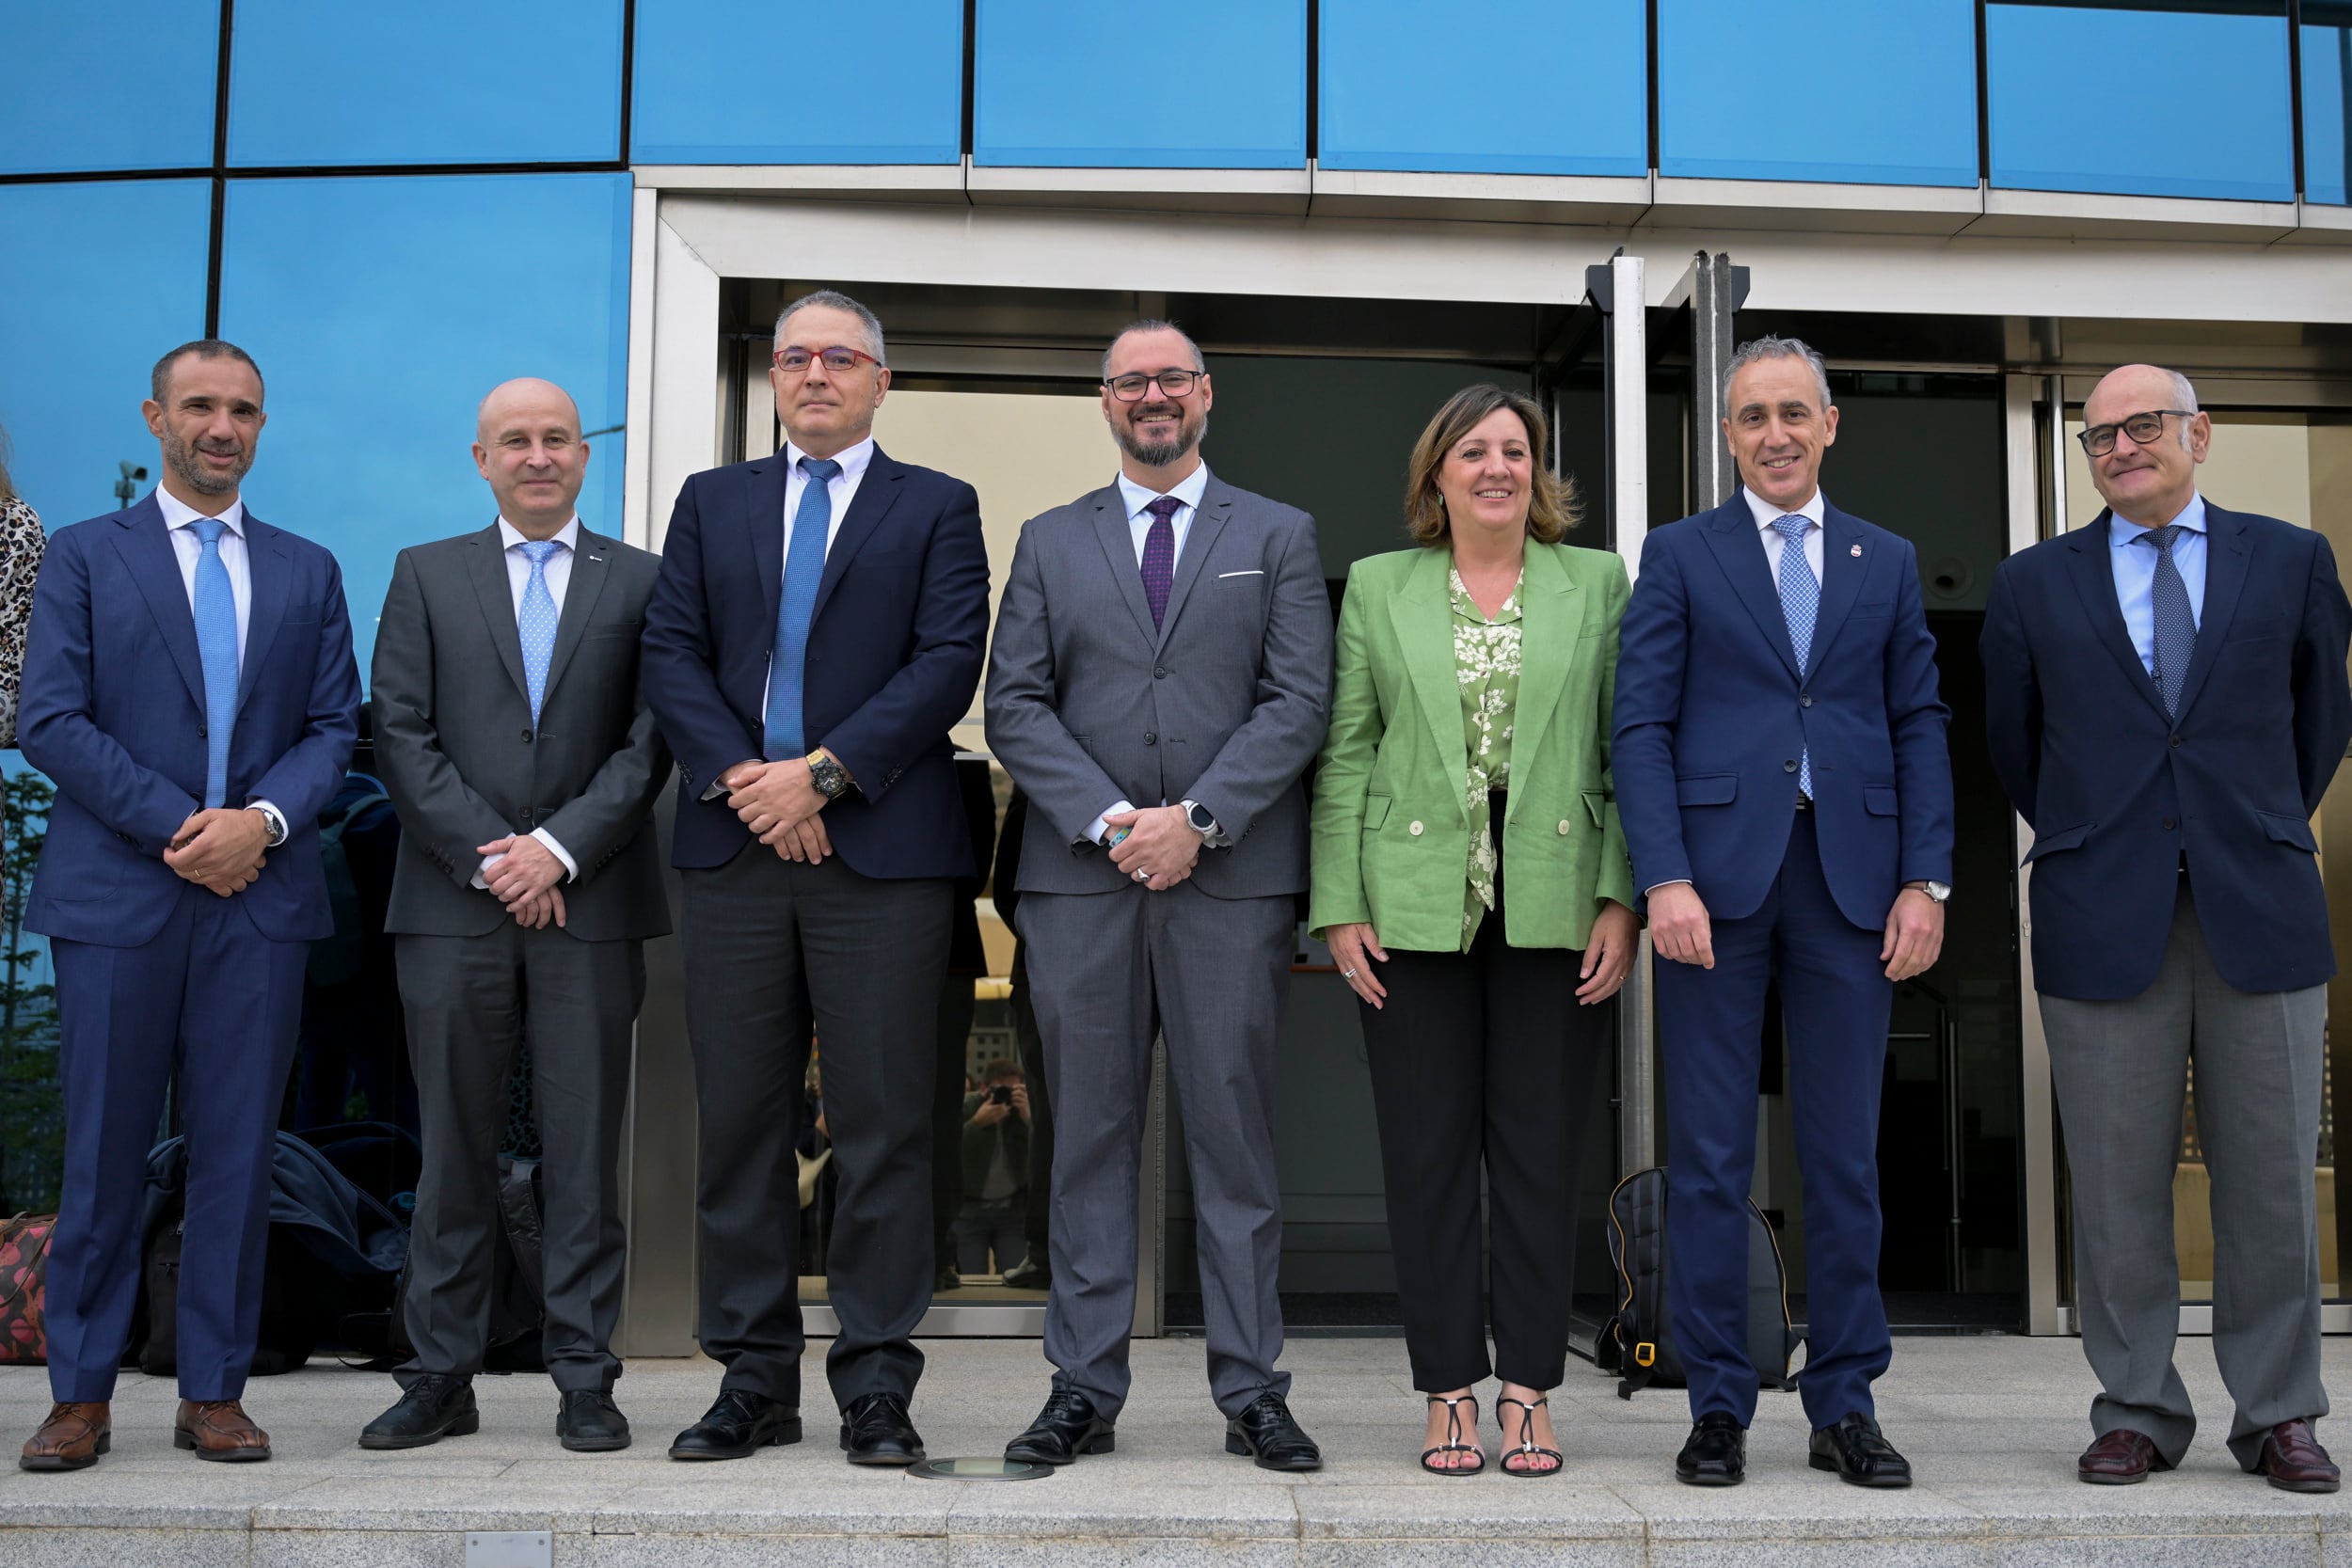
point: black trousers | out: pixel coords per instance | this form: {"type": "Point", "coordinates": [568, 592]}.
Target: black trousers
{"type": "Point", "coordinates": [777, 950]}
{"type": "Point", "coordinates": [1484, 1056]}
{"type": "Point", "coordinates": [470, 1002]}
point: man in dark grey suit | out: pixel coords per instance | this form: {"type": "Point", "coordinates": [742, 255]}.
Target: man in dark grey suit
{"type": "Point", "coordinates": [1160, 678]}
{"type": "Point", "coordinates": [516, 745]}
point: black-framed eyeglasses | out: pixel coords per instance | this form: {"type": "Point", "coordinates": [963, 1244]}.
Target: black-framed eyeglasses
{"type": "Point", "coordinates": [1174, 384]}
{"type": "Point", "coordinates": [2143, 428]}
{"type": "Point", "coordinates": [838, 362]}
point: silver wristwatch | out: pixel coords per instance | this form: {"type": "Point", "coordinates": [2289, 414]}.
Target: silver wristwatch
{"type": "Point", "coordinates": [1938, 892]}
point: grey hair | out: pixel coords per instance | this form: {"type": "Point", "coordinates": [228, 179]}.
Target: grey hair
{"type": "Point", "coordinates": [2183, 393]}
{"type": "Point", "coordinates": [1152, 323]}
{"type": "Point", "coordinates": [833, 299]}
{"type": "Point", "coordinates": [1776, 348]}
{"type": "Point", "coordinates": [159, 379]}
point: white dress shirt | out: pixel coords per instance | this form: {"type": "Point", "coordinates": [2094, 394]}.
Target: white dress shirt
{"type": "Point", "coordinates": [558, 578]}
{"type": "Point", "coordinates": [1766, 514]}
{"type": "Point", "coordinates": [1187, 490]}
{"type": "Point", "coordinates": [178, 514]}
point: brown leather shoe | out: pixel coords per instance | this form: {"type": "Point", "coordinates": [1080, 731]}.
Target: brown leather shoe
{"type": "Point", "coordinates": [2121, 1458]}
{"type": "Point", "coordinates": [218, 1429]}
{"type": "Point", "coordinates": [71, 1439]}
{"type": "Point", "coordinates": [2295, 1462]}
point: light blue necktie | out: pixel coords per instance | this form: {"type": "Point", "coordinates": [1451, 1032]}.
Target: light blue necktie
{"type": "Point", "coordinates": [2176, 624]}
{"type": "Point", "coordinates": [535, 622]}
{"type": "Point", "coordinates": [803, 568]}
{"type": "Point", "coordinates": [1800, 605]}
{"type": "Point", "coordinates": [216, 642]}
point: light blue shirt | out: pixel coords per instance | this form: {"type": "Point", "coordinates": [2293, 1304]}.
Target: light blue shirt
{"type": "Point", "coordinates": [1187, 490]}
{"type": "Point", "coordinates": [2135, 566]}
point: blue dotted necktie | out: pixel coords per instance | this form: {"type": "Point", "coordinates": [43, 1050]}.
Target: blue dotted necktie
{"type": "Point", "coordinates": [1159, 554]}
{"type": "Point", "coordinates": [215, 609]}
{"type": "Point", "coordinates": [1800, 605]}
{"type": "Point", "coordinates": [535, 621]}
{"type": "Point", "coordinates": [2176, 624]}
{"type": "Point", "coordinates": [804, 569]}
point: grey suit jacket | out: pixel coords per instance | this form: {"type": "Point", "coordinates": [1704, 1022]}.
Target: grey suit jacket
{"type": "Point", "coordinates": [1226, 704]}
{"type": "Point", "coordinates": [455, 747]}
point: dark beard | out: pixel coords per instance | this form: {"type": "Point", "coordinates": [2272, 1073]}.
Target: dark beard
{"type": "Point", "coordinates": [1159, 454]}
{"type": "Point", "coordinates": [183, 460]}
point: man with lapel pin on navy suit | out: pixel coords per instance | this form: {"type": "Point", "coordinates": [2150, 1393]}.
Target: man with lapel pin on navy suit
{"type": "Point", "coordinates": [512, 734]}
{"type": "Point", "coordinates": [816, 629]}
{"type": "Point", "coordinates": [2166, 700]}
{"type": "Point", "coordinates": [1787, 801]}
{"type": "Point", "coordinates": [189, 686]}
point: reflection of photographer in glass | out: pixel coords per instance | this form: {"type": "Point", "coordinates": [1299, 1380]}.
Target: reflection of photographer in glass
{"type": "Point", "coordinates": [996, 1173]}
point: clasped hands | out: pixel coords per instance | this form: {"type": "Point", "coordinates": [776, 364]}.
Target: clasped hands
{"type": "Point", "coordinates": [1161, 847]}
{"type": "Point", "coordinates": [525, 879]}
{"type": "Point", "coordinates": [220, 848]}
{"type": "Point", "coordinates": [1680, 930]}
{"type": "Point", "coordinates": [780, 804]}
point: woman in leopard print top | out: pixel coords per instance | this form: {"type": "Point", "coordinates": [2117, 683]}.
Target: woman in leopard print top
{"type": "Point", "coordinates": [21, 544]}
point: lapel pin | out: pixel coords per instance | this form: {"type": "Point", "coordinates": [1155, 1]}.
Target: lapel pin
{"type": "Point", "coordinates": [1858, 549]}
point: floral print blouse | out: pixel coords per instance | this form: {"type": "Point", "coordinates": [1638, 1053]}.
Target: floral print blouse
{"type": "Point", "coordinates": [1486, 663]}
{"type": "Point", "coordinates": [21, 542]}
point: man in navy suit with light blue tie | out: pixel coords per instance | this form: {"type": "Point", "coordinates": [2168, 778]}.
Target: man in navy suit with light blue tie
{"type": "Point", "coordinates": [816, 629]}
{"type": "Point", "coordinates": [189, 686]}
{"type": "Point", "coordinates": [2166, 700]}
{"type": "Point", "coordinates": [1787, 799]}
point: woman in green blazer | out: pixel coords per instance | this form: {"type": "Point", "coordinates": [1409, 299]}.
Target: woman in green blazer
{"type": "Point", "coordinates": [1470, 732]}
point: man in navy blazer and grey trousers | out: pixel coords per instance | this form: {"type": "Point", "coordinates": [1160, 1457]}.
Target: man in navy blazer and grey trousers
{"type": "Point", "coordinates": [188, 683]}
{"type": "Point", "coordinates": [1787, 799]}
{"type": "Point", "coordinates": [816, 629]}
{"type": "Point", "coordinates": [2166, 700]}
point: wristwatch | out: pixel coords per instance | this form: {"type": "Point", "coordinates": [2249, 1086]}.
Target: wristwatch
{"type": "Point", "coordinates": [830, 778]}
{"type": "Point", "coordinates": [1938, 892]}
{"type": "Point", "coordinates": [1203, 823]}
{"type": "Point", "coordinates": [275, 823]}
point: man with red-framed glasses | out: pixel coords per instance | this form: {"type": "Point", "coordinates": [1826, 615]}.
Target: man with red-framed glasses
{"type": "Point", "coordinates": [817, 628]}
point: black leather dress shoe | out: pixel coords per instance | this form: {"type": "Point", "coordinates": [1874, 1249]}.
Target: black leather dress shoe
{"type": "Point", "coordinates": [1716, 1453]}
{"type": "Point", "coordinates": [1268, 1430]}
{"type": "Point", "coordinates": [1066, 1428]}
{"type": "Point", "coordinates": [876, 1430]}
{"type": "Point", "coordinates": [1859, 1452]}
{"type": "Point", "coordinates": [736, 1426]}
{"type": "Point", "coordinates": [433, 1407]}
{"type": "Point", "coordinates": [589, 1422]}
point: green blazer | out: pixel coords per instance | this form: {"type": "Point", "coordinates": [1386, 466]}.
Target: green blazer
{"type": "Point", "coordinates": [1391, 831]}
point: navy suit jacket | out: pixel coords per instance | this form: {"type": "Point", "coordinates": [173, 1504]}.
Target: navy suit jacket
{"type": "Point", "coordinates": [1711, 715]}
{"type": "Point", "coordinates": [893, 656]}
{"type": "Point", "coordinates": [2116, 793]}
{"type": "Point", "coordinates": [112, 709]}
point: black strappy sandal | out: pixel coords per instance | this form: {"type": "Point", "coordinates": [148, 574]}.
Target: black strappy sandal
{"type": "Point", "coordinates": [1526, 1447]}
{"type": "Point", "coordinates": [1453, 1443]}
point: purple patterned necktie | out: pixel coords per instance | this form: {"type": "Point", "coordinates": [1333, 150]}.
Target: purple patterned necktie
{"type": "Point", "coordinates": [1159, 554]}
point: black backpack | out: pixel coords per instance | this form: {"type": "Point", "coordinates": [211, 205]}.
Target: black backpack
{"type": "Point", "coordinates": [517, 1290]}
{"type": "Point", "coordinates": [1638, 1341]}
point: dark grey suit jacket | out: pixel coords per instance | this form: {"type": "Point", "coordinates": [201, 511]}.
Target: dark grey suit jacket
{"type": "Point", "coordinates": [1226, 704]}
{"type": "Point", "coordinates": [454, 743]}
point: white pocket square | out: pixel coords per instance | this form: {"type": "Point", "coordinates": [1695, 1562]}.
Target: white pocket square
{"type": "Point", "coordinates": [1222, 575]}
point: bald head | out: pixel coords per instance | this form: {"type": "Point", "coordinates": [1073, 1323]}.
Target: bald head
{"type": "Point", "coordinates": [2147, 481]}
{"type": "Point", "coordinates": [527, 445]}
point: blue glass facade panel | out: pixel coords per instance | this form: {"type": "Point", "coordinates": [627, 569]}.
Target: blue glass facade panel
{"type": "Point", "coordinates": [1221, 86]}
{"type": "Point", "coordinates": [2161, 100]}
{"type": "Point", "coordinates": [1868, 92]}
{"type": "Point", "coordinates": [730, 82]}
{"type": "Point", "coordinates": [2327, 98]}
{"type": "Point", "coordinates": [382, 309]}
{"type": "Point", "coordinates": [123, 85]}
{"type": "Point", "coordinates": [425, 81]}
{"type": "Point", "coordinates": [96, 281]}
{"type": "Point", "coordinates": [1560, 89]}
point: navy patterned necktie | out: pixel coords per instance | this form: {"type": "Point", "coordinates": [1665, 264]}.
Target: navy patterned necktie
{"type": "Point", "coordinates": [2176, 624]}
{"type": "Point", "coordinates": [1159, 556]}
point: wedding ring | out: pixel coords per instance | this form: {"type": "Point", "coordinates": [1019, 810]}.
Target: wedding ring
{"type": "Point", "coordinates": [1143, 876]}
{"type": "Point", "coordinates": [1347, 974]}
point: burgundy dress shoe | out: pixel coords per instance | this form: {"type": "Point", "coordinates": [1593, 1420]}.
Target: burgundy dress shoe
{"type": "Point", "coordinates": [2295, 1462]}
{"type": "Point", "coordinates": [2121, 1458]}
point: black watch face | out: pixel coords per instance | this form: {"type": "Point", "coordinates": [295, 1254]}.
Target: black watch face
{"type": "Point", "coordinates": [1201, 819]}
